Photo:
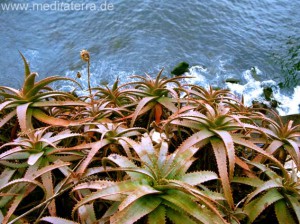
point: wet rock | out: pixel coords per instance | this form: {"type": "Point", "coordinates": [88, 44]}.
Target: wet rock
{"type": "Point", "coordinates": [268, 93]}
{"type": "Point", "coordinates": [233, 80]}
{"type": "Point", "coordinates": [274, 103]}
{"type": "Point", "coordinates": [180, 68]}
{"type": "Point", "coordinates": [254, 74]}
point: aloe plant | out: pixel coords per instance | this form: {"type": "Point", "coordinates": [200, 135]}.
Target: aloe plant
{"type": "Point", "coordinates": [284, 140]}
{"type": "Point", "coordinates": [113, 137]}
{"type": "Point", "coordinates": [219, 128]}
{"type": "Point", "coordinates": [159, 187]}
{"type": "Point", "coordinates": [34, 156]}
{"type": "Point", "coordinates": [282, 192]}
{"type": "Point", "coordinates": [114, 95]}
{"type": "Point", "coordinates": [154, 95]}
{"type": "Point", "coordinates": [209, 96]}
{"type": "Point", "coordinates": [32, 98]}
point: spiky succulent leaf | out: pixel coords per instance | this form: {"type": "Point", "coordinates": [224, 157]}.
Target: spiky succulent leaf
{"type": "Point", "coordinates": [124, 162]}
{"type": "Point", "coordinates": [193, 209]}
{"type": "Point", "coordinates": [44, 82]}
{"type": "Point", "coordinates": [87, 214]}
{"type": "Point", "coordinates": [138, 209]}
{"type": "Point", "coordinates": [136, 195]}
{"type": "Point", "coordinates": [177, 217]}
{"type": "Point", "coordinates": [229, 146]}
{"type": "Point", "coordinates": [220, 154]}
{"type": "Point", "coordinates": [258, 205]}
{"type": "Point", "coordinates": [142, 105]}
{"type": "Point", "coordinates": [295, 204]}
{"type": "Point", "coordinates": [283, 214]}
{"type": "Point", "coordinates": [95, 148]}
{"type": "Point", "coordinates": [158, 215]}
{"type": "Point", "coordinates": [199, 177]}
{"type": "Point", "coordinates": [111, 192]}
{"type": "Point", "coordinates": [5, 176]}
{"type": "Point", "coordinates": [33, 158]}
{"type": "Point", "coordinates": [26, 66]}
{"type": "Point", "coordinates": [266, 186]}
{"type": "Point", "coordinates": [57, 220]}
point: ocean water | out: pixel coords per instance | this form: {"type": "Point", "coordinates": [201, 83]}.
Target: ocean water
{"type": "Point", "coordinates": [220, 39]}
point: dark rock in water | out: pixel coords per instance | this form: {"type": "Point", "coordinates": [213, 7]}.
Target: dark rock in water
{"type": "Point", "coordinates": [181, 68]}
{"type": "Point", "coordinates": [233, 80]}
{"type": "Point", "coordinates": [254, 74]}
{"type": "Point", "coordinates": [268, 93]}
{"type": "Point", "coordinates": [274, 103]}
{"type": "Point", "coordinates": [217, 88]}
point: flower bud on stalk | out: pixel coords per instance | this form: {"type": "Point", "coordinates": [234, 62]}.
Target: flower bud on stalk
{"type": "Point", "coordinates": [85, 56]}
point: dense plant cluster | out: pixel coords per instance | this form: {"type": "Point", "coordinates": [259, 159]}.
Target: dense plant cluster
{"type": "Point", "coordinates": [154, 150]}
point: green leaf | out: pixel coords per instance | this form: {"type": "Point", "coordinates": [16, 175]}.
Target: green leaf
{"type": "Point", "coordinates": [5, 104]}
{"type": "Point", "coordinates": [38, 173]}
{"type": "Point", "coordinates": [283, 214]}
{"type": "Point", "coordinates": [199, 177]}
{"type": "Point", "coordinates": [24, 118]}
{"type": "Point", "coordinates": [17, 200]}
{"type": "Point", "coordinates": [254, 182]}
{"type": "Point", "coordinates": [250, 145]}
{"type": "Point", "coordinates": [167, 102]}
{"type": "Point", "coordinates": [142, 105]}
{"type": "Point", "coordinates": [34, 157]}
{"type": "Point", "coordinates": [178, 217]}
{"type": "Point", "coordinates": [267, 186]}
{"type": "Point", "coordinates": [5, 176]}
{"type": "Point", "coordinates": [185, 203]}
{"type": "Point", "coordinates": [136, 210]}
{"type": "Point", "coordinates": [140, 192]}
{"type": "Point", "coordinates": [220, 154]}
{"type": "Point", "coordinates": [110, 192]}
{"type": "Point", "coordinates": [41, 116]}
{"type": "Point", "coordinates": [26, 66]}
{"type": "Point", "coordinates": [157, 216]}
{"type": "Point", "coordinates": [55, 103]}
{"type": "Point", "coordinates": [95, 148]}
{"type": "Point", "coordinates": [23, 180]}
{"type": "Point", "coordinates": [57, 220]}
{"type": "Point", "coordinates": [10, 152]}
{"type": "Point", "coordinates": [228, 143]}
{"type": "Point", "coordinates": [177, 164]}
{"type": "Point", "coordinates": [95, 185]}
{"type": "Point", "coordinates": [178, 161]}
{"type": "Point", "coordinates": [256, 207]}
{"type": "Point", "coordinates": [293, 150]}
{"type": "Point", "coordinates": [9, 116]}
{"type": "Point", "coordinates": [87, 213]}
{"type": "Point", "coordinates": [295, 205]}
{"type": "Point", "coordinates": [42, 83]}
{"type": "Point", "coordinates": [124, 162]}
{"type": "Point", "coordinates": [144, 149]}
{"type": "Point", "coordinates": [29, 83]}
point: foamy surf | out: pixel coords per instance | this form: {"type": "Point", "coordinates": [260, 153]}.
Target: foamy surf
{"type": "Point", "coordinates": [251, 89]}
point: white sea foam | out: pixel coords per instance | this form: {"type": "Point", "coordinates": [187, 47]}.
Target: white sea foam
{"type": "Point", "coordinates": [251, 89]}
